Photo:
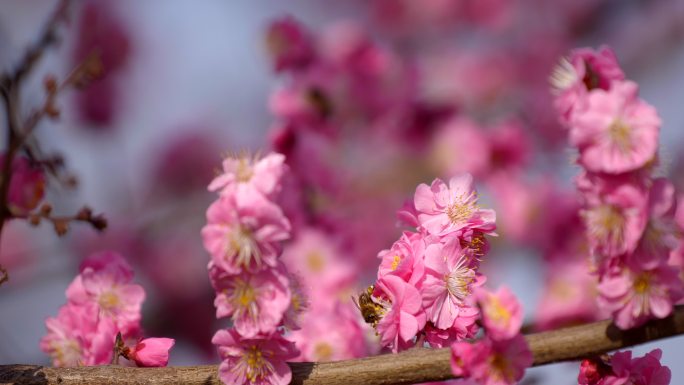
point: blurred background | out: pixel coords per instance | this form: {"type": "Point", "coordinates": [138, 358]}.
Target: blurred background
{"type": "Point", "coordinates": [366, 98]}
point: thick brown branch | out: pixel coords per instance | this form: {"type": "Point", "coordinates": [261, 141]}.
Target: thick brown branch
{"type": "Point", "coordinates": [413, 366]}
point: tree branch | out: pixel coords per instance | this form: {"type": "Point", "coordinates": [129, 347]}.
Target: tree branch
{"type": "Point", "coordinates": [413, 366]}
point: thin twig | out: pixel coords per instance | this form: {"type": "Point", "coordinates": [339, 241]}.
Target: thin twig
{"type": "Point", "coordinates": [409, 367]}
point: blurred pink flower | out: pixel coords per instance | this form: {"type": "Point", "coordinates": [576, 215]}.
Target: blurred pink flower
{"type": "Point", "coordinates": [445, 209]}
{"type": "Point", "coordinates": [244, 231]}
{"type": "Point", "coordinates": [501, 313]}
{"type": "Point", "coordinates": [105, 281]}
{"type": "Point", "coordinates": [585, 70]}
{"type": "Point", "coordinates": [315, 257]}
{"type": "Point", "coordinates": [289, 44]}
{"type": "Point", "coordinates": [461, 146]}
{"type": "Point", "coordinates": [254, 361]}
{"type": "Point", "coordinates": [151, 352]}
{"type": "Point", "coordinates": [27, 185]}
{"type": "Point", "coordinates": [263, 175]}
{"type": "Point", "coordinates": [646, 370]}
{"type": "Point", "coordinates": [661, 234]}
{"type": "Point", "coordinates": [634, 295]}
{"type": "Point", "coordinates": [615, 217]}
{"type": "Point", "coordinates": [79, 336]}
{"type": "Point", "coordinates": [491, 362]}
{"type": "Point", "coordinates": [101, 29]}
{"type": "Point", "coordinates": [615, 131]}
{"type": "Point", "coordinates": [569, 294]}
{"type": "Point", "coordinates": [403, 317]}
{"type": "Point", "coordinates": [622, 369]}
{"type": "Point", "coordinates": [449, 281]}
{"type": "Point", "coordinates": [510, 146]}
{"type": "Point", "coordinates": [255, 301]}
{"type": "Point", "coordinates": [318, 341]}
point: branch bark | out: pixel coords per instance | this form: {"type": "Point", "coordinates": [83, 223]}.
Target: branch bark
{"type": "Point", "coordinates": [412, 366]}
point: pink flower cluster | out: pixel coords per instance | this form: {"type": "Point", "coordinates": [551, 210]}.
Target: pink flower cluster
{"type": "Point", "coordinates": [629, 215]}
{"type": "Point", "coordinates": [243, 234]}
{"type": "Point", "coordinates": [622, 369]}
{"type": "Point", "coordinates": [101, 303]}
{"type": "Point", "coordinates": [425, 280]}
{"type": "Point", "coordinates": [502, 356]}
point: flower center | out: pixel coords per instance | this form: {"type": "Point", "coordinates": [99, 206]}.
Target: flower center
{"type": "Point", "coordinates": [606, 223]}
{"type": "Point", "coordinates": [108, 301]}
{"type": "Point", "coordinates": [496, 311]}
{"type": "Point", "coordinates": [642, 283]}
{"type": "Point", "coordinates": [244, 170]}
{"type": "Point", "coordinates": [241, 244]}
{"type": "Point", "coordinates": [243, 298]}
{"type": "Point", "coordinates": [323, 351]}
{"type": "Point", "coordinates": [476, 245]}
{"type": "Point", "coordinates": [315, 261]}
{"type": "Point", "coordinates": [458, 280]}
{"type": "Point", "coordinates": [395, 262]}
{"type": "Point", "coordinates": [66, 353]}
{"type": "Point", "coordinates": [255, 366]}
{"type": "Point", "coordinates": [501, 368]}
{"type": "Point", "coordinates": [620, 134]}
{"type": "Point", "coordinates": [462, 209]}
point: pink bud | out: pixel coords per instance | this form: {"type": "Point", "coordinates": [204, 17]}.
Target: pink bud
{"type": "Point", "coordinates": [152, 352]}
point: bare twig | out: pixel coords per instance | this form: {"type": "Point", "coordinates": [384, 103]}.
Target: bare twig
{"type": "Point", "coordinates": [9, 85]}
{"type": "Point", "coordinates": [412, 366]}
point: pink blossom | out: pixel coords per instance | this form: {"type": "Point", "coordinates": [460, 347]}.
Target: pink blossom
{"type": "Point", "coordinates": [615, 131]}
{"type": "Point", "coordinates": [510, 146]}
{"type": "Point", "coordinates": [583, 71]}
{"type": "Point", "coordinates": [244, 231]}
{"type": "Point", "coordinates": [660, 236]}
{"type": "Point", "coordinates": [407, 214]}
{"type": "Point", "coordinates": [27, 185]}
{"type": "Point", "coordinates": [289, 44]}
{"type": "Point", "coordinates": [615, 217]}
{"type": "Point", "coordinates": [634, 295]}
{"type": "Point", "coordinates": [255, 301]}
{"type": "Point", "coordinates": [305, 102]}
{"type": "Point", "coordinates": [445, 209]}
{"type": "Point", "coordinates": [492, 362]}
{"type": "Point", "coordinates": [263, 175]}
{"type": "Point", "coordinates": [449, 281]}
{"type": "Point", "coordinates": [622, 369]}
{"type": "Point", "coordinates": [299, 303]}
{"type": "Point", "coordinates": [316, 258]}
{"type": "Point", "coordinates": [460, 146]}
{"type": "Point", "coordinates": [646, 370]}
{"type": "Point", "coordinates": [501, 313]}
{"type": "Point", "coordinates": [151, 352]}
{"type": "Point", "coordinates": [79, 336]}
{"type": "Point", "coordinates": [105, 280]}
{"type": "Point", "coordinates": [254, 361]}
{"type": "Point", "coordinates": [404, 258]}
{"type": "Point", "coordinates": [464, 327]}
{"type": "Point", "coordinates": [403, 317]}
{"type": "Point", "coordinates": [318, 341]}
{"type": "Point", "coordinates": [569, 294]}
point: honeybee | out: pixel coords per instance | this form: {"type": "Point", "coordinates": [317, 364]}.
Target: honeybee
{"type": "Point", "coordinates": [370, 309]}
